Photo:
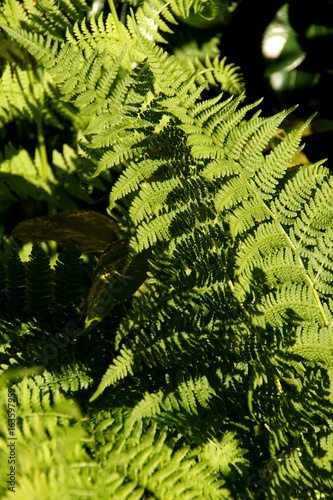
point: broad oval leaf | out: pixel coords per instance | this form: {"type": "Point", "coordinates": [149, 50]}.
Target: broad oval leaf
{"type": "Point", "coordinates": [113, 281]}
{"type": "Point", "coordinates": [89, 230]}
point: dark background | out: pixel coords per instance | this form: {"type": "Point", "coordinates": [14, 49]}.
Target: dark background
{"type": "Point", "coordinates": [309, 84]}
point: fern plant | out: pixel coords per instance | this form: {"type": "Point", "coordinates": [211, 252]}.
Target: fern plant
{"type": "Point", "coordinates": [212, 377]}
{"type": "Point", "coordinates": [105, 459]}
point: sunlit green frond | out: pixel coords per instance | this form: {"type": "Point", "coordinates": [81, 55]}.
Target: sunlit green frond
{"type": "Point", "coordinates": [218, 74]}
{"type": "Point", "coordinates": [195, 331]}
{"type": "Point", "coordinates": [131, 178]}
{"type": "Point", "coordinates": [149, 233]}
{"type": "Point", "coordinates": [151, 200]}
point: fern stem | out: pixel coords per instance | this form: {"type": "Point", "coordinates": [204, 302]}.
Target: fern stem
{"type": "Point", "coordinates": [46, 169]}
{"type": "Point", "coordinates": [42, 148]}
{"type": "Point", "coordinates": [164, 6]}
{"type": "Point", "coordinates": [115, 17]}
{"type": "Point", "coordinates": [250, 400]}
{"type": "Point", "coordinates": [119, 29]}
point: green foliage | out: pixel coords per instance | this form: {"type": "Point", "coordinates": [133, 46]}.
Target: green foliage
{"type": "Point", "coordinates": [61, 455]}
{"type": "Point", "coordinates": [15, 284]}
{"type": "Point", "coordinates": [30, 288]}
{"type": "Point", "coordinates": [38, 288]}
{"type": "Point", "coordinates": [201, 351]}
{"type": "Point", "coordinates": [68, 285]}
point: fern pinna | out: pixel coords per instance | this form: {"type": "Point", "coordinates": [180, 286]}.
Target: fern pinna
{"type": "Point", "coordinates": [215, 378]}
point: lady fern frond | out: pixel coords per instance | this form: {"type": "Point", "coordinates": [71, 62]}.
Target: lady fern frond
{"type": "Point", "coordinates": [15, 284]}
{"type": "Point", "coordinates": [315, 344]}
{"type": "Point", "coordinates": [217, 73]}
{"type": "Point", "coordinates": [121, 367]}
{"type": "Point", "coordinates": [68, 285]}
{"type": "Point", "coordinates": [38, 287]}
{"type": "Point", "coordinates": [152, 198]}
{"type": "Point", "coordinates": [225, 349]}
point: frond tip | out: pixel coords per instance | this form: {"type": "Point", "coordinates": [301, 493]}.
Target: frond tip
{"type": "Point", "coordinates": [121, 367]}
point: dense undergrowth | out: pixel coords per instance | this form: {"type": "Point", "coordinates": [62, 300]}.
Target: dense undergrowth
{"type": "Point", "coordinates": [175, 342]}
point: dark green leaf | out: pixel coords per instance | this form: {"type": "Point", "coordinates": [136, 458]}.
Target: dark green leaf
{"type": "Point", "coordinates": [114, 282]}
{"type": "Point", "coordinates": [90, 231]}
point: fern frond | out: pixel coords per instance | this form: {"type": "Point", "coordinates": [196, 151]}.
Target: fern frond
{"type": "Point", "coordinates": [47, 443]}
{"type": "Point", "coordinates": [15, 284]}
{"type": "Point", "coordinates": [151, 200]}
{"type": "Point", "coordinates": [37, 45]}
{"type": "Point", "coordinates": [191, 391]}
{"type": "Point", "coordinates": [217, 453]}
{"type": "Point", "coordinates": [275, 306]}
{"type": "Point", "coordinates": [131, 178]}
{"type": "Point", "coordinates": [149, 406]}
{"type": "Point", "coordinates": [38, 286]}
{"type": "Point", "coordinates": [48, 16]}
{"type": "Point", "coordinates": [157, 230]}
{"type": "Point", "coordinates": [122, 365]}
{"type": "Point", "coordinates": [218, 73]}
{"type": "Point", "coordinates": [166, 69]}
{"type": "Point", "coordinates": [55, 439]}
{"type": "Point", "coordinates": [149, 18]}
{"type": "Point", "coordinates": [68, 285]}
{"type": "Point", "coordinates": [16, 99]}
{"type": "Point", "coordinates": [315, 345]}
{"type": "Point", "coordinates": [2, 284]}
{"type": "Point", "coordinates": [295, 469]}
{"type": "Point", "coordinates": [225, 349]}
{"type": "Point", "coordinates": [70, 379]}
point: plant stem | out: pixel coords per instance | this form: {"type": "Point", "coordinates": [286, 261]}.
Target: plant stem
{"type": "Point", "coordinates": [46, 169]}
{"type": "Point", "coordinates": [119, 29]}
